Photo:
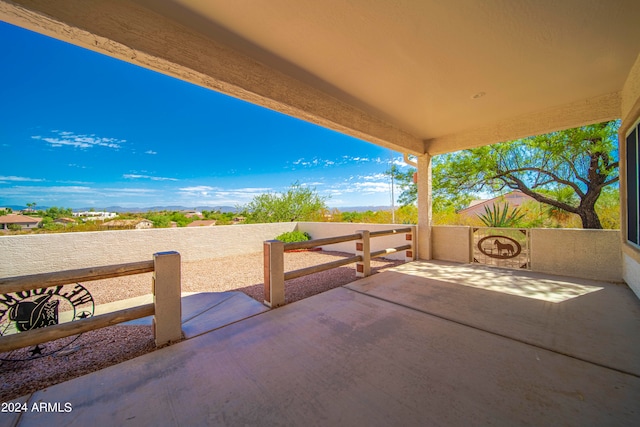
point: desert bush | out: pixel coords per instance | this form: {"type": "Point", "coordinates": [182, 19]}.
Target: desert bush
{"type": "Point", "coordinates": [294, 236]}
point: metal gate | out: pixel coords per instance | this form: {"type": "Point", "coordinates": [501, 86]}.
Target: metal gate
{"type": "Point", "coordinates": [502, 247]}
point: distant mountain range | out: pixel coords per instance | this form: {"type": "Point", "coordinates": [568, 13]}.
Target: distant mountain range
{"type": "Point", "coordinates": [16, 208]}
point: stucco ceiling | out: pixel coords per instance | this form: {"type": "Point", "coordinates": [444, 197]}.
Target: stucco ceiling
{"type": "Point", "coordinates": [433, 67]}
{"type": "Point", "coordinates": [414, 75]}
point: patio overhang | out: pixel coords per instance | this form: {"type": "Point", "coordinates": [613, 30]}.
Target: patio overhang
{"type": "Point", "coordinates": [417, 77]}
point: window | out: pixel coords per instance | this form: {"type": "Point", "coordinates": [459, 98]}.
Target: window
{"type": "Point", "coordinates": [633, 186]}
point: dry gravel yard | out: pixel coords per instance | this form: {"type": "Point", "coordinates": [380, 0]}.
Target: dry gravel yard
{"type": "Point", "coordinates": [105, 347]}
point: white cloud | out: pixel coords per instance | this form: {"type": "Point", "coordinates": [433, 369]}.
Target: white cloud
{"type": "Point", "coordinates": [13, 178]}
{"type": "Point", "coordinates": [117, 192]}
{"type": "Point", "coordinates": [315, 162]}
{"type": "Point", "coordinates": [75, 182]}
{"type": "Point", "coordinates": [198, 189]}
{"type": "Point", "coordinates": [72, 139]}
{"type": "Point", "coordinates": [374, 177]}
{"type": "Point", "coordinates": [152, 178]}
{"type": "Point", "coordinates": [150, 152]}
{"type": "Point", "coordinates": [207, 195]}
{"type": "Point", "coordinates": [44, 190]}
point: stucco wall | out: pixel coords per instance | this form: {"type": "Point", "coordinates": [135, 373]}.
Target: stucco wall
{"type": "Point", "coordinates": [590, 254]}
{"type": "Point", "coordinates": [40, 253]}
{"type": "Point", "coordinates": [319, 230]}
{"type": "Point", "coordinates": [451, 243]}
{"type": "Point", "coordinates": [630, 114]}
{"type": "Point", "coordinates": [631, 273]}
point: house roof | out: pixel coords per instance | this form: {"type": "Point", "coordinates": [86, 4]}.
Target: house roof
{"type": "Point", "coordinates": [512, 198]}
{"type": "Point", "coordinates": [18, 219]}
{"type": "Point", "coordinates": [415, 76]}
{"type": "Point", "coordinates": [65, 220]}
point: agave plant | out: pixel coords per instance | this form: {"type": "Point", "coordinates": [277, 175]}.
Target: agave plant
{"type": "Point", "coordinates": [501, 216]}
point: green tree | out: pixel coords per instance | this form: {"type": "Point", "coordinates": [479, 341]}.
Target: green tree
{"type": "Point", "coordinates": [442, 201]}
{"type": "Point", "coordinates": [159, 220]}
{"type": "Point", "coordinates": [180, 219]}
{"type": "Point", "coordinates": [56, 212]}
{"type": "Point", "coordinates": [298, 203]}
{"type": "Point", "coordinates": [567, 170]}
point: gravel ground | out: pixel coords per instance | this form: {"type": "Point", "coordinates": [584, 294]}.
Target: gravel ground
{"type": "Point", "coordinates": [98, 349]}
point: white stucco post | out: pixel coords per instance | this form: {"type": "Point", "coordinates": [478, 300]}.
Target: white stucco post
{"type": "Point", "coordinates": [363, 248]}
{"type": "Point", "coordinates": [273, 273]}
{"type": "Point", "coordinates": [167, 320]}
{"type": "Point", "coordinates": [424, 207]}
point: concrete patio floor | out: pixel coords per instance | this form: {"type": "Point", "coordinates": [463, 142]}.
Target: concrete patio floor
{"type": "Point", "coordinates": [425, 343]}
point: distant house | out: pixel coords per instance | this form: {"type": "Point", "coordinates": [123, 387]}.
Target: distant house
{"type": "Point", "coordinates": [95, 216]}
{"type": "Point", "coordinates": [477, 207]}
{"type": "Point", "coordinates": [191, 214]}
{"type": "Point", "coordinates": [25, 222]}
{"type": "Point", "coordinates": [238, 220]}
{"type": "Point", "coordinates": [202, 223]}
{"type": "Point", "coordinates": [129, 224]}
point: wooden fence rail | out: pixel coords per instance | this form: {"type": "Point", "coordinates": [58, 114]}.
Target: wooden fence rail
{"type": "Point", "coordinates": [275, 276]}
{"type": "Point", "coordinates": [46, 280]}
{"type": "Point", "coordinates": [166, 308]}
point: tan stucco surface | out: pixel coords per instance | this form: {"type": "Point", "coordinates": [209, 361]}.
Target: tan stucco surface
{"type": "Point", "coordinates": [631, 273]}
{"type": "Point", "coordinates": [631, 114]}
{"type": "Point", "coordinates": [412, 76]}
{"type": "Point", "coordinates": [594, 254]}
{"type": "Point", "coordinates": [589, 254]}
{"type": "Point", "coordinates": [41, 253]}
{"type": "Point", "coordinates": [451, 243]}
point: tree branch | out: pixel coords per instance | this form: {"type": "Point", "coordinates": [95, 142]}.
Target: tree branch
{"type": "Point", "coordinates": [544, 199]}
{"type": "Point", "coordinates": [555, 177]}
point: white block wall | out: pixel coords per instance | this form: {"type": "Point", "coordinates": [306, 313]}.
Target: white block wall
{"type": "Point", "coordinates": [42, 253]}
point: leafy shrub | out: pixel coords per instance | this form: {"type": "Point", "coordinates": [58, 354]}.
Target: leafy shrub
{"type": "Point", "coordinates": [501, 217]}
{"type": "Point", "coordinates": [294, 236]}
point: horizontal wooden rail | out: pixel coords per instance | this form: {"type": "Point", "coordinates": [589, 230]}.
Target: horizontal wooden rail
{"type": "Point", "coordinates": [36, 336]}
{"type": "Point", "coordinates": [321, 267]}
{"type": "Point", "coordinates": [320, 242]}
{"type": "Point", "coordinates": [166, 306]}
{"type": "Point", "coordinates": [275, 276]}
{"type": "Point", "coordinates": [390, 251]}
{"type": "Point", "coordinates": [45, 280]}
{"type": "Point", "coordinates": [389, 232]}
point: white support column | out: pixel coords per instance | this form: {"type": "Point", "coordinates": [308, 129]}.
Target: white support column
{"type": "Point", "coordinates": [167, 320]}
{"type": "Point", "coordinates": [424, 207]}
{"type": "Point", "coordinates": [273, 273]}
{"type": "Point", "coordinates": [363, 248]}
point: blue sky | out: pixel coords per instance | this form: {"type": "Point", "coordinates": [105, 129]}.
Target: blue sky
{"type": "Point", "coordinates": [79, 129]}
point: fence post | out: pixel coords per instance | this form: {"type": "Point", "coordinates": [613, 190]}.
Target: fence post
{"type": "Point", "coordinates": [363, 248]}
{"type": "Point", "coordinates": [167, 320]}
{"type": "Point", "coordinates": [410, 254]}
{"type": "Point", "coordinates": [273, 273]}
